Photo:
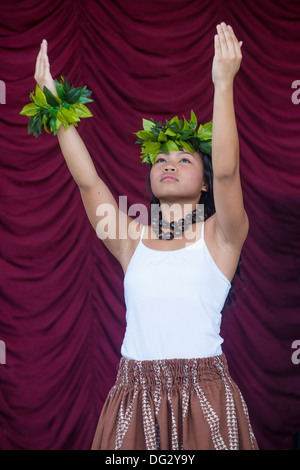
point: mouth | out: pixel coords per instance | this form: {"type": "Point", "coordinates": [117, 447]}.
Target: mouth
{"type": "Point", "coordinates": [169, 178]}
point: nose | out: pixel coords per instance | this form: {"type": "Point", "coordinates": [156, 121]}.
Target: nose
{"type": "Point", "coordinates": [169, 167]}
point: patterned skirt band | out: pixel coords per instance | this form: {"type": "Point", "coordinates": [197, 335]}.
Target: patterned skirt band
{"type": "Point", "coordinates": [174, 404]}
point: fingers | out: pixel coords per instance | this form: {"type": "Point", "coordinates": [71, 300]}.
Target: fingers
{"type": "Point", "coordinates": [237, 44]}
{"type": "Point", "coordinates": [42, 66]}
{"type": "Point", "coordinates": [38, 63]}
{"type": "Point", "coordinates": [226, 42]}
{"type": "Point", "coordinates": [218, 51]}
{"type": "Point", "coordinates": [46, 59]}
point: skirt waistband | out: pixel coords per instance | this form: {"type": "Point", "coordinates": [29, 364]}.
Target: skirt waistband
{"type": "Point", "coordinates": [169, 373]}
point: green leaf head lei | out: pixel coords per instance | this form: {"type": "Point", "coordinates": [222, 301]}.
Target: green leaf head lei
{"type": "Point", "coordinates": [175, 134]}
{"type": "Point", "coordinates": [49, 111]}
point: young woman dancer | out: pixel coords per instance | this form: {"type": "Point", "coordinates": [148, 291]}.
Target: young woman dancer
{"type": "Point", "coordinates": [173, 389]}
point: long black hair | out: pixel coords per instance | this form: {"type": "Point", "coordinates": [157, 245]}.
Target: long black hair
{"type": "Point", "coordinates": [207, 199]}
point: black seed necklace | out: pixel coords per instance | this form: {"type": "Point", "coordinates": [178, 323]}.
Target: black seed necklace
{"type": "Point", "coordinates": [176, 228]}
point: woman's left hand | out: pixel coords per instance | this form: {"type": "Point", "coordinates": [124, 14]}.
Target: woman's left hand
{"type": "Point", "coordinates": [228, 56]}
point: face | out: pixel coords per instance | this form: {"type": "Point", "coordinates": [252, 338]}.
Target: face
{"type": "Point", "coordinates": [178, 176]}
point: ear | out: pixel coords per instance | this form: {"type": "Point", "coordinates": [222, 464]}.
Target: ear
{"type": "Point", "coordinates": [204, 187]}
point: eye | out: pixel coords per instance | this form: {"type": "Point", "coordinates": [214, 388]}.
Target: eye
{"type": "Point", "coordinates": [160, 159]}
{"type": "Point", "coordinates": [186, 159]}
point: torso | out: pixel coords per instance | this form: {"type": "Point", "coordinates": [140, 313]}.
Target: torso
{"type": "Point", "coordinates": [225, 256]}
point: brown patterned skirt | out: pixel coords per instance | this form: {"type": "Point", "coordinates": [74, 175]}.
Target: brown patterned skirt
{"type": "Point", "coordinates": [174, 404]}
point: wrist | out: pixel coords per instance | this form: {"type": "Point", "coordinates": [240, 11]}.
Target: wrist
{"type": "Point", "coordinates": [224, 86]}
{"type": "Point", "coordinates": [62, 130]}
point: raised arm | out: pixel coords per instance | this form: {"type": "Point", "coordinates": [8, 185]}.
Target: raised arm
{"type": "Point", "coordinates": [231, 219]}
{"type": "Point", "coordinates": [98, 201]}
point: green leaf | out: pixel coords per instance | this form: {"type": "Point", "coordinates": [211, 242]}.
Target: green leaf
{"type": "Point", "coordinates": [177, 121]}
{"type": "Point", "coordinates": [162, 137]}
{"type": "Point", "coordinates": [53, 112]}
{"type": "Point", "coordinates": [81, 110]}
{"type": "Point", "coordinates": [147, 125]}
{"type": "Point", "coordinates": [51, 99]}
{"type": "Point", "coordinates": [39, 103]}
{"type": "Point", "coordinates": [45, 122]}
{"type": "Point", "coordinates": [179, 144]}
{"type": "Point", "coordinates": [61, 118]}
{"type": "Point", "coordinates": [152, 157]}
{"type": "Point", "coordinates": [205, 147]}
{"type": "Point", "coordinates": [170, 132]}
{"type": "Point", "coordinates": [66, 84]}
{"type": "Point", "coordinates": [30, 110]}
{"type": "Point", "coordinates": [65, 105]}
{"type": "Point", "coordinates": [39, 95]}
{"type": "Point", "coordinates": [205, 132]}
{"type": "Point", "coordinates": [186, 125]}
{"type": "Point", "coordinates": [146, 136]}
{"type": "Point", "coordinates": [39, 98]}
{"type": "Point", "coordinates": [194, 119]}
{"type": "Point", "coordinates": [60, 90]}
{"type": "Point", "coordinates": [53, 125]}
{"type": "Point", "coordinates": [155, 131]}
{"type": "Point", "coordinates": [35, 126]}
{"type": "Point", "coordinates": [186, 145]}
{"type": "Point", "coordinates": [186, 134]}
{"type": "Point", "coordinates": [85, 96]}
{"type": "Point", "coordinates": [58, 124]}
{"type": "Point", "coordinates": [171, 145]}
{"type": "Point", "coordinates": [152, 147]}
{"type": "Point", "coordinates": [82, 99]}
{"type": "Point", "coordinates": [164, 148]}
{"type": "Point", "coordinates": [174, 127]}
{"type": "Point", "coordinates": [73, 95]}
{"type": "Point", "coordinates": [69, 115]}
{"type": "Point", "coordinates": [31, 124]}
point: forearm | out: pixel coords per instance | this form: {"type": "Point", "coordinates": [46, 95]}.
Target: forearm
{"type": "Point", "coordinates": [225, 142]}
{"type": "Point", "coordinates": [77, 157]}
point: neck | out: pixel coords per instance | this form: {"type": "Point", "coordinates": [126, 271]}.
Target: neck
{"type": "Point", "coordinates": [174, 211]}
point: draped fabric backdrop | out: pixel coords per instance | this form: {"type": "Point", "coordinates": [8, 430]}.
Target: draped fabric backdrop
{"type": "Point", "coordinates": [62, 315]}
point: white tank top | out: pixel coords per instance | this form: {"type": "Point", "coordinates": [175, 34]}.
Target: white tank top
{"type": "Point", "coordinates": [173, 303]}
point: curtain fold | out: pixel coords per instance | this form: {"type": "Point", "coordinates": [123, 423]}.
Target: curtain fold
{"type": "Point", "coordinates": [62, 312]}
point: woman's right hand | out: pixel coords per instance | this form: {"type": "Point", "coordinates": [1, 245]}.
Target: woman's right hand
{"type": "Point", "coordinates": [42, 74]}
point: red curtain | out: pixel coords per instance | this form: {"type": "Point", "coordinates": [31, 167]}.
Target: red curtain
{"type": "Point", "coordinates": [62, 313]}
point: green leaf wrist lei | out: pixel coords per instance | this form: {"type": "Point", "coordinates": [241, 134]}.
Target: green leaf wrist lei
{"type": "Point", "coordinates": [175, 134]}
{"type": "Point", "coordinates": [49, 111]}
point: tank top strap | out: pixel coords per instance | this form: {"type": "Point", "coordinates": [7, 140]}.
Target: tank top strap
{"type": "Point", "coordinates": [202, 231]}
{"type": "Point", "coordinates": [142, 232]}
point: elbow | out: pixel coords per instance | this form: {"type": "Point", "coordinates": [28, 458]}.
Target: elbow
{"type": "Point", "coordinates": [228, 169]}
{"type": "Point", "coordinates": [89, 183]}
{"type": "Point", "coordinates": [225, 174]}
{"type": "Point", "coordinates": [83, 186]}
{"type": "Point", "coordinates": [226, 164]}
